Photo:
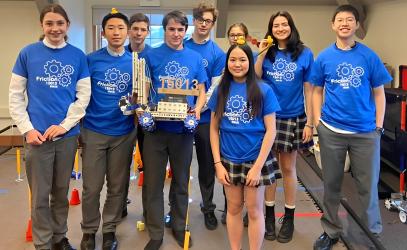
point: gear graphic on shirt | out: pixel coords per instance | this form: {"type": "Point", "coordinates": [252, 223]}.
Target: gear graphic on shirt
{"type": "Point", "coordinates": [125, 77]}
{"type": "Point", "coordinates": [205, 63]}
{"type": "Point", "coordinates": [289, 76]}
{"type": "Point", "coordinates": [172, 68]}
{"type": "Point", "coordinates": [67, 70]}
{"type": "Point", "coordinates": [355, 82]}
{"type": "Point", "coordinates": [112, 75]}
{"type": "Point", "coordinates": [280, 65]}
{"type": "Point", "coordinates": [64, 80]}
{"type": "Point", "coordinates": [358, 71]}
{"type": "Point", "coordinates": [236, 105]}
{"type": "Point", "coordinates": [344, 71]}
{"type": "Point", "coordinates": [291, 66]}
{"type": "Point", "coordinates": [183, 71]}
{"type": "Point", "coordinates": [53, 68]}
{"type": "Point", "coordinates": [121, 87]}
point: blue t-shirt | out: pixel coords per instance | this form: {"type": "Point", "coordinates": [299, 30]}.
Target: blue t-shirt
{"type": "Point", "coordinates": [111, 78]}
{"type": "Point", "coordinates": [52, 75]}
{"type": "Point", "coordinates": [241, 135]}
{"type": "Point", "coordinates": [183, 67]}
{"type": "Point", "coordinates": [214, 60]}
{"type": "Point", "coordinates": [348, 77]}
{"type": "Point", "coordinates": [287, 80]}
{"type": "Point", "coordinates": [141, 54]}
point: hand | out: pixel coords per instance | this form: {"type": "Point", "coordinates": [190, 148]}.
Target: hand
{"type": "Point", "coordinates": [54, 131]}
{"type": "Point", "coordinates": [197, 112]}
{"type": "Point", "coordinates": [307, 134]}
{"type": "Point", "coordinates": [34, 137]}
{"type": "Point", "coordinates": [222, 174]}
{"type": "Point", "coordinates": [253, 177]}
{"type": "Point", "coordinates": [263, 44]}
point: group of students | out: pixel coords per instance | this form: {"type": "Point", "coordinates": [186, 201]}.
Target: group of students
{"type": "Point", "coordinates": [255, 108]}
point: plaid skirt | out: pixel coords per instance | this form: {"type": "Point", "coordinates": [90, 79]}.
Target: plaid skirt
{"type": "Point", "coordinates": [289, 134]}
{"type": "Point", "coordinates": [238, 172]}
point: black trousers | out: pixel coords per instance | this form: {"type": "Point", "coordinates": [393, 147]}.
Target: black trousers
{"type": "Point", "coordinates": [159, 147]}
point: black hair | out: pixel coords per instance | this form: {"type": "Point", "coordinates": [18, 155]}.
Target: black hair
{"type": "Point", "coordinates": [294, 44]}
{"type": "Point", "coordinates": [139, 17]}
{"type": "Point", "coordinates": [346, 8]}
{"type": "Point", "coordinates": [254, 95]}
{"type": "Point", "coordinates": [54, 8]}
{"type": "Point", "coordinates": [177, 16]}
{"type": "Point", "coordinates": [115, 15]}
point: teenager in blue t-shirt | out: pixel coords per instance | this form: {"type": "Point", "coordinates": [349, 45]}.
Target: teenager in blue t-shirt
{"type": "Point", "coordinates": [286, 67]}
{"type": "Point", "coordinates": [55, 77]}
{"type": "Point", "coordinates": [139, 30]}
{"type": "Point", "coordinates": [242, 132]}
{"type": "Point", "coordinates": [173, 66]}
{"type": "Point", "coordinates": [214, 61]}
{"type": "Point", "coordinates": [108, 135]}
{"type": "Point", "coordinates": [351, 77]}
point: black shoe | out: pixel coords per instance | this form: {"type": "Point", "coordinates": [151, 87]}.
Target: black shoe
{"type": "Point", "coordinates": [179, 236]}
{"type": "Point", "coordinates": [324, 242]}
{"type": "Point", "coordinates": [246, 220]}
{"type": "Point", "coordinates": [287, 229]}
{"type": "Point", "coordinates": [211, 222]}
{"type": "Point", "coordinates": [124, 212]}
{"type": "Point", "coordinates": [109, 241]}
{"type": "Point", "coordinates": [167, 220]}
{"type": "Point", "coordinates": [88, 242]}
{"type": "Point", "coordinates": [62, 245]}
{"type": "Point", "coordinates": [128, 201]}
{"type": "Point", "coordinates": [223, 218]}
{"type": "Point", "coordinates": [270, 233]}
{"type": "Point", "coordinates": [153, 244]}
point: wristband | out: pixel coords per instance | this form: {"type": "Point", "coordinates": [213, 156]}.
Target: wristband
{"type": "Point", "coordinates": [310, 126]}
{"type": "Point", "coordinates": [217, 162]}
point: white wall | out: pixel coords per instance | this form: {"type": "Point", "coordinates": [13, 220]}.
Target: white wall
{"type": "Point", "coordinates": [20, 26]}
{"type": "Point", "coordinates": [76, 13]}
{"type": "Point", "coordinates": [387, 33]}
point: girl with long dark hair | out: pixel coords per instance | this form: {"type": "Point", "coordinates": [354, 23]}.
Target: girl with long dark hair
{"type": "Point", "coordinates": [242, 132]}
{"type": "Point", "coordinates": [286, 67]}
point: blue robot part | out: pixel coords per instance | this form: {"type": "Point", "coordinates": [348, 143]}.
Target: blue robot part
{"type": "Point", "coordinates": [146, 122]}
{"type": "Point", "coordinates": [190, 123]}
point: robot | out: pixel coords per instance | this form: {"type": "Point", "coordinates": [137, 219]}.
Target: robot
{"type": "Point", "coordinates": [173, 107]}
{"type": "Point", "coordinates": [398, 202]}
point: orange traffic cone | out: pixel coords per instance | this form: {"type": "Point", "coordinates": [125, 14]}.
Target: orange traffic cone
{"type": "Point", "coordinates": [75, 200]}
{"type": "Point", "coordinates": [140, 179]}
{"type": "Point", "coordinates": [28, 232]}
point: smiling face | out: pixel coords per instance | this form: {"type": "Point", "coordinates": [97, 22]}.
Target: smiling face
{"type": "Point", "coordinates": [138, 32]}
{"type": "Point", "coordinates": [238, 64]}
{"type": "Point", "coordinates": [234, 33]}
{"type": "Point", "coordinates": [174, 34]}
{"type": "Point", "coordinates": [115, 32]}
{"type": "Point", "coordinates": [281, 29]}
{"type": "Point", "coordinates": [204, 24]}
{"type": "Point", "coordinates": [345, 25]}
{"type": "Point", "coordinates": [54, 27]}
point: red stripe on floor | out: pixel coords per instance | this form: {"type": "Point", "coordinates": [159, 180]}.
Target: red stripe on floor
{"type": "Point", "coordinates": [316, 214]}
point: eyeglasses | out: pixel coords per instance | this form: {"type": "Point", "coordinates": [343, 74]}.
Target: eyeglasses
{"type": "Point", "coordinates": [236, 36]}
{"type": "Point", "coordinates": [206, 21]}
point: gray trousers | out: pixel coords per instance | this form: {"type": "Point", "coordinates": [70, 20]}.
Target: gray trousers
{"type": "Point", "coordinates": [49, 167]}
{"type": "Point", "coordinates": [103, 157]}
{"type": "Point", "coordinates": [364, 154]}
{"type": "Point", "coordinates": [159, 147]}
